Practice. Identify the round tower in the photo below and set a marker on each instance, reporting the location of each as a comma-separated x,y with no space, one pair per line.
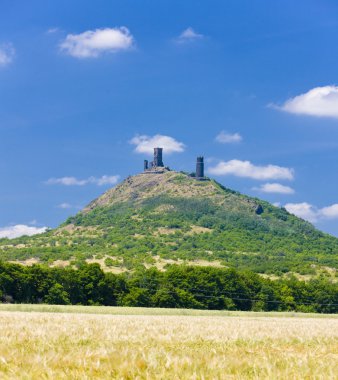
200,167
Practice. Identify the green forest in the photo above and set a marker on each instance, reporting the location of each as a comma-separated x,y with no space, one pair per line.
177,287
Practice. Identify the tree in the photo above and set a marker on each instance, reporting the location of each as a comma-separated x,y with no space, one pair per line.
137,297
57,295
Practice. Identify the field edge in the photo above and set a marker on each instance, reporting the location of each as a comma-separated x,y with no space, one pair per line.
116,310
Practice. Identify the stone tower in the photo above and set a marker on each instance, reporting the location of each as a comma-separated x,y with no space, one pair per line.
158,157
200,168
145,164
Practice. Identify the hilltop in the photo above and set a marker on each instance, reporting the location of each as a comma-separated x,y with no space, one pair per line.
161,217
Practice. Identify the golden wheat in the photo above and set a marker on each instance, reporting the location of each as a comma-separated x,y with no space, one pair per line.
36,345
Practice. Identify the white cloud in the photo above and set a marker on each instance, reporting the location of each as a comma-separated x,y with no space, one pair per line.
227,138
274,188
18,230
53,30
246,169
93,43
65,205
188,35
312,213
7,53
320,101
304,210
146,144
330,212
67,181
73,181
210,160
105,180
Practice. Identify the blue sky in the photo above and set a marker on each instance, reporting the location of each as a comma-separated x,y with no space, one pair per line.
251,85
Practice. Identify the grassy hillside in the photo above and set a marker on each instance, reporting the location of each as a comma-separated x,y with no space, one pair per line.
160,219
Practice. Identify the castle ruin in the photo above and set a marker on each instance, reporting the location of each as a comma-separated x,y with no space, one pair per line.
158,163
156,166
200,168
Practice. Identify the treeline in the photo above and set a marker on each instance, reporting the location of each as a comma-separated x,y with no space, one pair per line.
177,287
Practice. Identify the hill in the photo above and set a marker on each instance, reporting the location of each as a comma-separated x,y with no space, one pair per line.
165,217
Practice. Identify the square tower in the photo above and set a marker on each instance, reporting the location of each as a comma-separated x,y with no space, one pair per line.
158,157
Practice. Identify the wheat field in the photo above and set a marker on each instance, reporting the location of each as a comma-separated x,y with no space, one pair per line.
79,345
